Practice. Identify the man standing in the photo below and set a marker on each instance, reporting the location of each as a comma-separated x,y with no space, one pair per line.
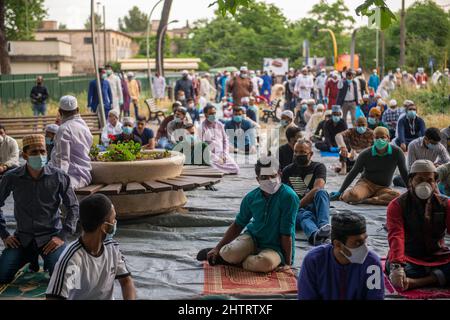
421,78
207,91
39,96
185,85
240,86
303,85
116,88
319,86
257,83
331,90
374,81
308,179
38,192
134,90
72,144
349,96
9,152
361,82
417,222
345,269
93,98
159,87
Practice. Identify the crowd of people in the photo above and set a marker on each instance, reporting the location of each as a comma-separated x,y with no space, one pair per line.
292,187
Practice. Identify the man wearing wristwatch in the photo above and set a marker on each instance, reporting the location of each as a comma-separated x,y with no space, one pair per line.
417,222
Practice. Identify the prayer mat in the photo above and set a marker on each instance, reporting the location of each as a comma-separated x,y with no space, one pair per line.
415,294
230,280
27,285
329,154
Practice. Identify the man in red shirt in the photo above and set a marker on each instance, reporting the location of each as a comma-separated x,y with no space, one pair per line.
417,222
331,89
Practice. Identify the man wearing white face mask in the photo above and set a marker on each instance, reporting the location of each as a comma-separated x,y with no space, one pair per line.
345,269
417,222
268,216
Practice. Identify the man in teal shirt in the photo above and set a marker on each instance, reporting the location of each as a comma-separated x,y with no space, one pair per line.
268,216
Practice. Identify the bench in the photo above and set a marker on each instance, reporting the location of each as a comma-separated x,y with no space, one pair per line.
154,112
17,128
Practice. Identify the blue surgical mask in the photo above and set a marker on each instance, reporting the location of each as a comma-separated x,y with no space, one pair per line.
372,121
349,82
432,146
237,119
49,141
127,130
177,120
111,234
361,130
336,119
37,162
212,118
284,123
304,106
411,114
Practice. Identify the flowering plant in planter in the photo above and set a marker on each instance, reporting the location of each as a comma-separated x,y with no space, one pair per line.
126,151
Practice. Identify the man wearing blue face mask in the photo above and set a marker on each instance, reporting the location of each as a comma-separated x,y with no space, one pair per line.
409,126
195,150
89,266
50,132
267,217
127,132
241,133
377,165
345,269
330,129
38,191
93,100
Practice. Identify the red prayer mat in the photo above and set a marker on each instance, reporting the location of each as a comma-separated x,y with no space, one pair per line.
231,280
415,294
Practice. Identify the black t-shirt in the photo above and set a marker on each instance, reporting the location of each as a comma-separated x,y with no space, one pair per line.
285,155
302,179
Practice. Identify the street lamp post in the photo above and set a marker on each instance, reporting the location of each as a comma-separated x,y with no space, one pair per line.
335,49
149,26
160,51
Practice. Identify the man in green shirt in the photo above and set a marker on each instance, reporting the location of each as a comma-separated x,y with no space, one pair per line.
268,216
377,166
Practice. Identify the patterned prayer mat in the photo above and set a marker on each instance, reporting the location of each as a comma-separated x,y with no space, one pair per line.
230,280
26,285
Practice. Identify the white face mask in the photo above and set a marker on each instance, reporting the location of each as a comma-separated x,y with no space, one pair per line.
423,190
270,186
359,254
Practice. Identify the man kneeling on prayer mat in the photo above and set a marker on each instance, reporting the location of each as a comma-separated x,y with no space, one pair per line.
268,216
417,222
345,269
377,166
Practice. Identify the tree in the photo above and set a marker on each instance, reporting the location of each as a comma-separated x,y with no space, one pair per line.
98,22
161,33
402,34
5,62
136,21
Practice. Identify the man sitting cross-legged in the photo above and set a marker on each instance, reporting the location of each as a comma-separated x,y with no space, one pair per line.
268,216
377,165
345,269
308,178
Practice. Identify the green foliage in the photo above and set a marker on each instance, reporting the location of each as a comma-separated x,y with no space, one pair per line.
368,8
22,18
98,22
135,21
125,151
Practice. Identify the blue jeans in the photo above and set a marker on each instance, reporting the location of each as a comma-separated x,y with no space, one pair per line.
39,109
315,215
164,143
12,260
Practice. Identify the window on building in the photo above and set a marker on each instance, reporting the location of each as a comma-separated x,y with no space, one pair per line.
87,40
50,39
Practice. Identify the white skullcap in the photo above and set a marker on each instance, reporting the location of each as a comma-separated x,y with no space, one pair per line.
407,103
323,70
404,72
184,72
130,74
52,128
244,68
68,103
128,120
115,113
274,165
423,166
310,101
366,96
320,107
288,113
392,103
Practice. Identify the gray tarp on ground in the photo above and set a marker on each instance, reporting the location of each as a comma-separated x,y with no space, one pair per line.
160,251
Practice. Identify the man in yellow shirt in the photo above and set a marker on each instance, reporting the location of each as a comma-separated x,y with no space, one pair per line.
135,92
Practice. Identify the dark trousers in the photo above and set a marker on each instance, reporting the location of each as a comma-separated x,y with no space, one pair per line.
323,146
415,271
136,109
398,182
13,259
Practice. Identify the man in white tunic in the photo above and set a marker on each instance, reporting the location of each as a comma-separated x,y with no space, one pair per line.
73,142
303,85
159,87
116,88
112,128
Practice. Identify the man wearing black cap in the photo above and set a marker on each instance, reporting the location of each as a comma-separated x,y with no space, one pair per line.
88,267
345,269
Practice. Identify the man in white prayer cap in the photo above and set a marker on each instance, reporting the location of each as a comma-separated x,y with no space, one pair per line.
50,133
73,142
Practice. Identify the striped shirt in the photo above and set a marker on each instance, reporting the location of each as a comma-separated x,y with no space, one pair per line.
78,275
391,116
417,151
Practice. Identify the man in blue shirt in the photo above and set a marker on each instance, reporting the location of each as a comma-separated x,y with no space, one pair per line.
409,126
345,269
193,111
93,100
146,135
374,81
268,216
241,132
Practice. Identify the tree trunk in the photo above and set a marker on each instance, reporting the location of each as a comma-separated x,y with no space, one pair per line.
383,51
402,35
5,61
161,31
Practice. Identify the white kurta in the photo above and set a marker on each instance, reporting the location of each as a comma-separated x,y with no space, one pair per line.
303,86
159,87
109,129
116,90
206,89
73,142
9,152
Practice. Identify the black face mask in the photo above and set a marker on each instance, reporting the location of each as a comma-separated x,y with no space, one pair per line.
301,160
